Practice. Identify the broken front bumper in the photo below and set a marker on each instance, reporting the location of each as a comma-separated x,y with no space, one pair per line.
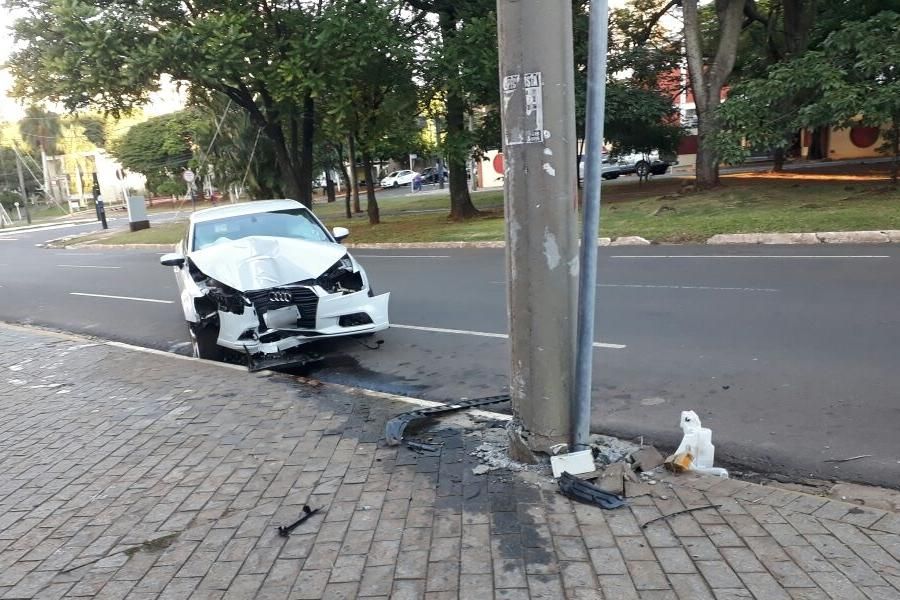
266,328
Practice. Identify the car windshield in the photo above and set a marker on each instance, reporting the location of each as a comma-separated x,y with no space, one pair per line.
292,223
394,174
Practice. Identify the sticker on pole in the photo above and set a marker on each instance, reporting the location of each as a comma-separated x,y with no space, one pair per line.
524,107
188,176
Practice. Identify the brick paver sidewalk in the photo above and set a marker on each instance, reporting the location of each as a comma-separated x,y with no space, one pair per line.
128,475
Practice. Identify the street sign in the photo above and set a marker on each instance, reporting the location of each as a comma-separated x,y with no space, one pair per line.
188,176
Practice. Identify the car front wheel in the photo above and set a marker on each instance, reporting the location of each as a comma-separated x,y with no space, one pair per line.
642,169
204,342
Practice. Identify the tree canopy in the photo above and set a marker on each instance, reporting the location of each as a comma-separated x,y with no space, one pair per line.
850,79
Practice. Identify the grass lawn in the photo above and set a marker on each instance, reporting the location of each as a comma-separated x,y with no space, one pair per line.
167,233
745,203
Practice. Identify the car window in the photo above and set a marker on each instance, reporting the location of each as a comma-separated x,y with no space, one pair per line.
292,223
394,174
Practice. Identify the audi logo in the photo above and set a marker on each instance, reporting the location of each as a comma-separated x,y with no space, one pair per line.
280,296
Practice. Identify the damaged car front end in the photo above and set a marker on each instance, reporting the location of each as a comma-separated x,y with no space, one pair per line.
261,297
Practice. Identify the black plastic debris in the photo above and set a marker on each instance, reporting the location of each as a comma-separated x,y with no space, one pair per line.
284,359
587,493
393,430
423,448
285,530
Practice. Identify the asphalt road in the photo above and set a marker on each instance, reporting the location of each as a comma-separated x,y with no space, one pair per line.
789,354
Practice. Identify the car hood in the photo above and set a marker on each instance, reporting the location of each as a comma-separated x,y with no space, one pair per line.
258,263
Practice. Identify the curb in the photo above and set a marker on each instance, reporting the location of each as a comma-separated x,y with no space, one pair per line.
827,237
886,236
316,383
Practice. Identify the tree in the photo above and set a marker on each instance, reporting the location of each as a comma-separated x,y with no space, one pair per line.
458,57
159,148
40,129
641,87
852,79
708,77
111,54
374,99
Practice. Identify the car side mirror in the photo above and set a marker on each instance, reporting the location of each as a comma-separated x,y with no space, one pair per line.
340,233
172,260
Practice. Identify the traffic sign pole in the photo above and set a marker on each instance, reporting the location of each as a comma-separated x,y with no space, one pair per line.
188,177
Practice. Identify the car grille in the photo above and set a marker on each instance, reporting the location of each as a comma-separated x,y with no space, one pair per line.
306,301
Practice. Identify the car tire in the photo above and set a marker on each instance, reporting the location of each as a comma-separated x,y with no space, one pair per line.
204,342
642,169
396,184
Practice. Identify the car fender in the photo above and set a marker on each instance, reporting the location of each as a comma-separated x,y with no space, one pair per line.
188,292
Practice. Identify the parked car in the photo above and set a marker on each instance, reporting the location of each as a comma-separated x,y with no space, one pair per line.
430,175
642,164
398,178
609,170
260,279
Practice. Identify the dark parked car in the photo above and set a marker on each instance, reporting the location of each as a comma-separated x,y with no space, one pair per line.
430,175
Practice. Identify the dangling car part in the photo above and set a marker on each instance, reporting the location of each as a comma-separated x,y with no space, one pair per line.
587,493
261,279
393,429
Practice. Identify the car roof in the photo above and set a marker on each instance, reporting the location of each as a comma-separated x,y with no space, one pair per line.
243,208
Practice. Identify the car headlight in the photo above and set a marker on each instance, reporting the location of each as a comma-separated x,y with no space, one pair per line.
340,277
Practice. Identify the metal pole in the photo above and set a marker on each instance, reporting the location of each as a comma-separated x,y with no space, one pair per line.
22,187
587,289
537,83
46,170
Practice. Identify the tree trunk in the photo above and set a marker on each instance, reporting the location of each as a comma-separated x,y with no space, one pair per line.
895,147
778,157
290,176
306,151
708,78
329,184
371,201
345,177
353,174
707,172
461,207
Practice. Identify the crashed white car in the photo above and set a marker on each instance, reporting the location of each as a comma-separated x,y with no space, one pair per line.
262,278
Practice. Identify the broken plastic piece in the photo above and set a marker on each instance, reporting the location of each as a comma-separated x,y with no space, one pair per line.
582,491
696,451
393,429
285,530
573,462
423,448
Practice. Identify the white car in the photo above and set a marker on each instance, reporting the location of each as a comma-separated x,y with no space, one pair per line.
398,178
261,278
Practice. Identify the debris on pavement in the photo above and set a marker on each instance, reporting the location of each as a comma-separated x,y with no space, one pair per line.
646,459
614,477
285,530
696,451
393,429
493,452
574,463
422,447
680,512
609,450
587,493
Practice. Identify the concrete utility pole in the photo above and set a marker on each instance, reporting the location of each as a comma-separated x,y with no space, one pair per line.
537,82
22,188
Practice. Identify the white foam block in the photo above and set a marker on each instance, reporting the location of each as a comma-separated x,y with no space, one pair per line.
574,463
